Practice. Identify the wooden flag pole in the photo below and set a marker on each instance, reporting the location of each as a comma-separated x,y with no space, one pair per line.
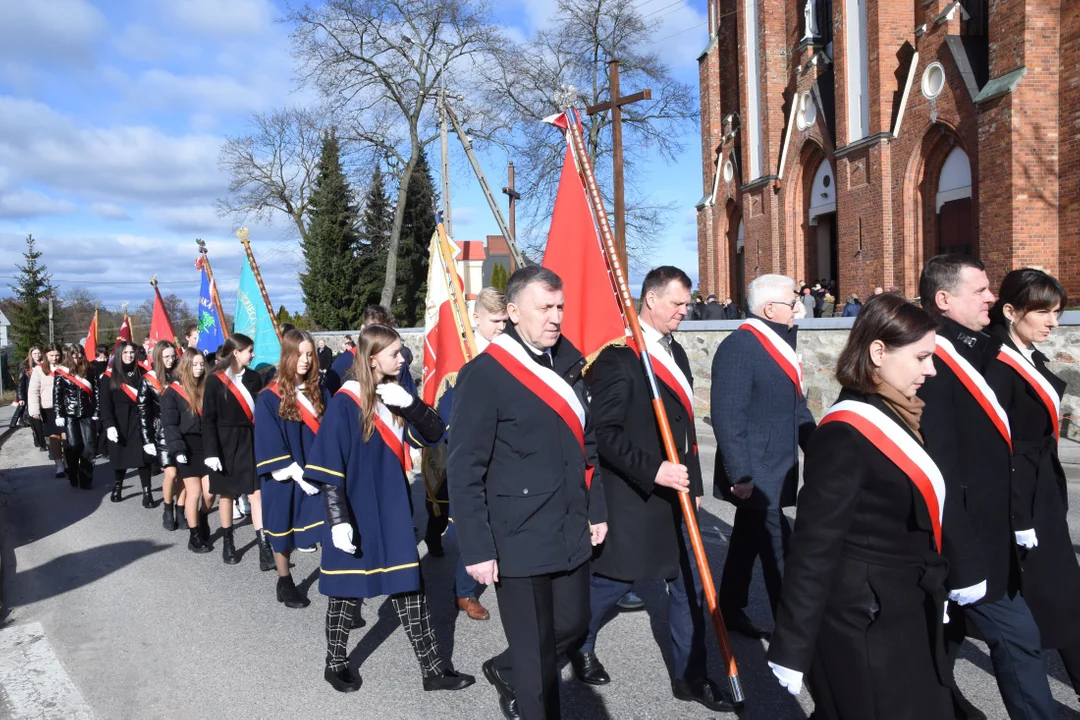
461,311
214,296
629,311
242,233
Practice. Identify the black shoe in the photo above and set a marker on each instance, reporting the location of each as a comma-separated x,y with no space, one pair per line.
204,528
630,602
148,499
434,547
507,701
342,680
266,553
117,488
195,543
181,521
168,520
289,595
228,548
739,622
448,679
708,694
588,668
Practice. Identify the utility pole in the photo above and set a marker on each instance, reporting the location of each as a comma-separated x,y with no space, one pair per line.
51,341
444,132
614,104
514,197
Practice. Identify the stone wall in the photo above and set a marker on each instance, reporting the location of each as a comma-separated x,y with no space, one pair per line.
820,343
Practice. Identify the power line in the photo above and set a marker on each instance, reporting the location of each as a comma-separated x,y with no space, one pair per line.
685,30
104,282
676,5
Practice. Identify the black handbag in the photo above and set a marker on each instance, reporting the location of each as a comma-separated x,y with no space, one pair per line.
17,416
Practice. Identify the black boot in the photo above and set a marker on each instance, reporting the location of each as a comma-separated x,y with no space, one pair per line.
181,521
71,466
168,520
117,488
266,553
228,548
195,543
204,528
289,595
86,473
148,499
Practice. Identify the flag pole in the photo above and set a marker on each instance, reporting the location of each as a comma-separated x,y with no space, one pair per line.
214,297
242,233
461,311
629,311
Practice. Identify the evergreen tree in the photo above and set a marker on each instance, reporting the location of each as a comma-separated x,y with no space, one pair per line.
375,228
421,204
330,283
499,277
30,321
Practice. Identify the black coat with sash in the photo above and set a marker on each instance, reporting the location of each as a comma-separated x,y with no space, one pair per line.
644,519
1050,577
228,433
863,593
118,409
516,471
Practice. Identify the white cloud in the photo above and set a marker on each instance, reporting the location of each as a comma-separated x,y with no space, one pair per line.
163,90
31,203
109,211
49,32
235,17
198,219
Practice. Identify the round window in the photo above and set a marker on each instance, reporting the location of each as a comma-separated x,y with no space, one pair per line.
807,111
933,80
729,171
826,181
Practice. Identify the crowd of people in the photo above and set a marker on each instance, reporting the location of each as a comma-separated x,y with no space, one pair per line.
933,504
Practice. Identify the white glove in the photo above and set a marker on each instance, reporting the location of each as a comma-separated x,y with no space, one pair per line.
59,421
213,463
291,472
968,595
307,487
112,435
95,418
1026,539
149,449
393,395
182,459
342,535
790,679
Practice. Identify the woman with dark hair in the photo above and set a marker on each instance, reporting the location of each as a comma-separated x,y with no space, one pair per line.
40,402
1026,312
162,363
288,414
863,597
228,433
118,393
74,404
181,421
22,394
360,459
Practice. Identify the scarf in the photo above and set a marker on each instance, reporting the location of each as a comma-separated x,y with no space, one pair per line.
908,409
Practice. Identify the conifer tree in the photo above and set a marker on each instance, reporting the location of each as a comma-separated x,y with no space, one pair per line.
375,225
499,277
30,318
421,204
330,282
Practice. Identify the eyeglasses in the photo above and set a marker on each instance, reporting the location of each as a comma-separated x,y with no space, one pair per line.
791,304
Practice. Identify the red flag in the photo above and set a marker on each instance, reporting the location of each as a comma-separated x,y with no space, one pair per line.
444,349
592,318
160,327
90,348
124,335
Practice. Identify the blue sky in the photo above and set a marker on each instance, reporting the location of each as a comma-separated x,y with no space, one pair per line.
112,115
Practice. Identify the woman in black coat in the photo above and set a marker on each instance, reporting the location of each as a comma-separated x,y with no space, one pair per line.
228,432
74,405
118,392
863,597
1026,312
181,421
153,384
22,395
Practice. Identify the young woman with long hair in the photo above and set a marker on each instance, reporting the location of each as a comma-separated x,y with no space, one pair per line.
22,395
181,421
118,393
228,428
360,458
74,404
163,364
288,414
40,403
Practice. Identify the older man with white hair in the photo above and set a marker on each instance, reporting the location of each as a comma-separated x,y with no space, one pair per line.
760,417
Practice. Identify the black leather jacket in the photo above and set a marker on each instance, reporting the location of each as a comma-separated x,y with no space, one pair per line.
22,387
148,403
71,401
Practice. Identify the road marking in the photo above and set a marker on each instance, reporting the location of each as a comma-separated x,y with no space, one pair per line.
33,682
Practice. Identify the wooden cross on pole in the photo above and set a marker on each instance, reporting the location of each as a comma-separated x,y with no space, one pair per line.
514,197
614,104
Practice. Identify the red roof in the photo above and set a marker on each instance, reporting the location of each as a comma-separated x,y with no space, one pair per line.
471,250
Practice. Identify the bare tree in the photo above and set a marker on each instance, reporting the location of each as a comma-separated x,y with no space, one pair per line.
573,53
273,168
380,65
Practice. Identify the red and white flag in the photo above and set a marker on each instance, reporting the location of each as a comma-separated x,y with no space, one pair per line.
90,347
444,342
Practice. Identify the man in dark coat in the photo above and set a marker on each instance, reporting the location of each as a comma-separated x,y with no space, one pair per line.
647,538
526,490
326,357
731,310
713,310
968,441
760,418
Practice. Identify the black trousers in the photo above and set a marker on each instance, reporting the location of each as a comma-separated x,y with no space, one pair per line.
79,452
38,431
763,532
543,616
436,523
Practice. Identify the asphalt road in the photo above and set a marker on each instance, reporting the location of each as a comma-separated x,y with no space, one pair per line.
106,615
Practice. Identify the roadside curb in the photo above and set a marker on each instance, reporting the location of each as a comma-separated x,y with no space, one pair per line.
5,494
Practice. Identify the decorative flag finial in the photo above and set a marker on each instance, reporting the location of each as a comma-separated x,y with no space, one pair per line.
242,233
153,280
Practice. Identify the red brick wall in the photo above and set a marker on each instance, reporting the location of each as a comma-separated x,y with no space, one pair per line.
1069,169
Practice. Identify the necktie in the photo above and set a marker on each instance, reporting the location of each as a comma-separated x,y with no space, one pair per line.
666,342
545,360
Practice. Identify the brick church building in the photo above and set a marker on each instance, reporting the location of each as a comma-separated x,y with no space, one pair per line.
854,139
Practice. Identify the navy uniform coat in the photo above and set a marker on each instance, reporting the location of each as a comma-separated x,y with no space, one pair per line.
291,517
339,371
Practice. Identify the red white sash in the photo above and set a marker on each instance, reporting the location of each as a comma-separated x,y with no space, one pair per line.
180,391
543,382
392,434
145,365
152,378
976,385
82,383
1046,392
779,350
669,373
903,450
129,391
240,393
303,404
